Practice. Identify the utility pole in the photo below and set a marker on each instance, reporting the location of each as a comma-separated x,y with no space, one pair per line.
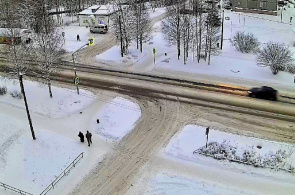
207,134
26,104
222,30
77,79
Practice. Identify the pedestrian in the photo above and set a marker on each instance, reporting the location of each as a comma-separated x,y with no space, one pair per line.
78,37
88,137
81,136
291,19
63,34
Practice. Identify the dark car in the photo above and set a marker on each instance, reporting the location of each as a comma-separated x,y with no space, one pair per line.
263,92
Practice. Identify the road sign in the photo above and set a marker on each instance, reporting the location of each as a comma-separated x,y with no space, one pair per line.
207,131
91,41
154,51
77,80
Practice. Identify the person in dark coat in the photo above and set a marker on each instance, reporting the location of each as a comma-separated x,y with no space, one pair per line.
88,137
78,37
81,136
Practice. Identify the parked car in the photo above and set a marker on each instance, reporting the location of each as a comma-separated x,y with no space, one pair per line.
263,92
100,28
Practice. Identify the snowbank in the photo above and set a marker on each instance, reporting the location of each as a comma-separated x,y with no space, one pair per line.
117,118
64,102
191,138
31,165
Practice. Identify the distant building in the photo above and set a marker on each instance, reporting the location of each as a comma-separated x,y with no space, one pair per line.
94,15
256,6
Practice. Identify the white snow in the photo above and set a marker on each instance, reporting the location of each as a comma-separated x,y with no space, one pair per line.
157,12
65,101
176,170
31,165
230,62
179,171
193,137
113,124
172,184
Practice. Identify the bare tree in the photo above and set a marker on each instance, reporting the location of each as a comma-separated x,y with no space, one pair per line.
171,26
48,41
245,42
213,23
277,56
187,33
124,24
48,51
142,22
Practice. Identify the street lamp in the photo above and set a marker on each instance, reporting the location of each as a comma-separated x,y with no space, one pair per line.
74,56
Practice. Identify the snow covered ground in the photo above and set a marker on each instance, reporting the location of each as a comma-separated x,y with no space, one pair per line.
176,170
73,29
229,64
32,165
193,137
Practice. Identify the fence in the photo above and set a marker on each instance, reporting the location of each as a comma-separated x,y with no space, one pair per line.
66,171
5,186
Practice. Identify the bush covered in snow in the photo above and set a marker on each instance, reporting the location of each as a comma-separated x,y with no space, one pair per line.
16,94
3,90
277,56
245,42
277,160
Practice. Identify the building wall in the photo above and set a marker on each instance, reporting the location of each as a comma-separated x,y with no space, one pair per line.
270,5
83,20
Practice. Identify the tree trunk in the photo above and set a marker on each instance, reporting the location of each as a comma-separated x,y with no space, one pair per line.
187,42
140,43
184,50
209,56
200,38
121,36
178,36
26,104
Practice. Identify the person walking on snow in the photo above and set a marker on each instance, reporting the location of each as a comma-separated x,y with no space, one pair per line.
88,137
81,136
78,37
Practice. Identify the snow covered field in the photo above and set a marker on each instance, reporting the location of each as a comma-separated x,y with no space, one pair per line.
176,170
32,165
229,64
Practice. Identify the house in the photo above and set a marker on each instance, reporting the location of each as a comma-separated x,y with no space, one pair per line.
256,6
17,35
94,15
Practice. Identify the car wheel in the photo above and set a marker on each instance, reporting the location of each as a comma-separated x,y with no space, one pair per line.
274,98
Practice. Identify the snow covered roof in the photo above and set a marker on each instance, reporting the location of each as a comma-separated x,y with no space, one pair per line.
97,10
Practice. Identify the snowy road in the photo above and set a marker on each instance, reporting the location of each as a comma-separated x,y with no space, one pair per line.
161,119
104,42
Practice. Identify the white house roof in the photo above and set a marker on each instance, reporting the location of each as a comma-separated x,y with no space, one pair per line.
97,10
